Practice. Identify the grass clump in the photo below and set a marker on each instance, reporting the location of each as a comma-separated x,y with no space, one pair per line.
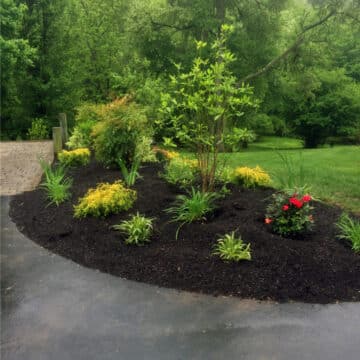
130,174
350,230
138,229
232,248
77,157
56,184
104,200
192,207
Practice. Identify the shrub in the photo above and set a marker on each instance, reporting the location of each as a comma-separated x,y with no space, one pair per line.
116,136
56,184
81,136
251,177
229,247
239,138
180,172
104,200
77,157
39,130
350,230
86,117
224,175
138,229
144,150
290,212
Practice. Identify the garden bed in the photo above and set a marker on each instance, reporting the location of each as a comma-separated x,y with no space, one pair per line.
315,268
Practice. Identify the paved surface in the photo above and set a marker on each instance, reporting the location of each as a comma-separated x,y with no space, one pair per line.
19,166
53,309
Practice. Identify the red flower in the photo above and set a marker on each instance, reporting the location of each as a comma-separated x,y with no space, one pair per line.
268,221
285,207
296,202
306,198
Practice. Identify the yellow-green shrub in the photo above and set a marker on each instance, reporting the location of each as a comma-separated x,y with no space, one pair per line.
104,200
181,171
75,157
251,177
165,155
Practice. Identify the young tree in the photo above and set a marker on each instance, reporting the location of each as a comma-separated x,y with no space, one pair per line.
201,101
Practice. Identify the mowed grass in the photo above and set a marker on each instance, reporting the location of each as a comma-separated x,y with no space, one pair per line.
333,174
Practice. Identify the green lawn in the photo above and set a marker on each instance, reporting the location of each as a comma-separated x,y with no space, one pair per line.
332,173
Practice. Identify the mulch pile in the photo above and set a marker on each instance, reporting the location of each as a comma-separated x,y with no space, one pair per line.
316,268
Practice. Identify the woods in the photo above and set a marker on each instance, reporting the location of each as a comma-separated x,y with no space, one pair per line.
301,58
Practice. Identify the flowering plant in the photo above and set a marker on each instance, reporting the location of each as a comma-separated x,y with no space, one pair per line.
290,212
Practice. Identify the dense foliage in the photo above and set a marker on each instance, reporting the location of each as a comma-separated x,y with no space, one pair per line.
300,57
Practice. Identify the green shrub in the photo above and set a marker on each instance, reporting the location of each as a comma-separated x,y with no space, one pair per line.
77,157
231,248
289,213
116,136
350,230
56,184
81,135
181,172
251,177
137,230
144,150
39,130
104,200
239,138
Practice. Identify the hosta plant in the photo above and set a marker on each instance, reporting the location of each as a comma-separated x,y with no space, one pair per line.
138,229
232,248
289,213
349,230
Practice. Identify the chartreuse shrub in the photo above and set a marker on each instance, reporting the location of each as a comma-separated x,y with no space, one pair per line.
349,230
77,157
123,125
104,200
56,184
138,229
180,171
289,212
232,248
251,177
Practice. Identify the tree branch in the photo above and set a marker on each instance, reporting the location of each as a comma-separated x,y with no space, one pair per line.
299,40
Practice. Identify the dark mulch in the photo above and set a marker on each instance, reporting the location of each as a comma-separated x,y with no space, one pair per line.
317,268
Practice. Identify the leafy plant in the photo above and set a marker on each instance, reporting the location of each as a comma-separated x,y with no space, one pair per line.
129,175
56,184
192,207
122,126
350,230
168,142
39,130
251,177
104,200
180,171
232,248
138,229
239,138
200,103
290,212
77,157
